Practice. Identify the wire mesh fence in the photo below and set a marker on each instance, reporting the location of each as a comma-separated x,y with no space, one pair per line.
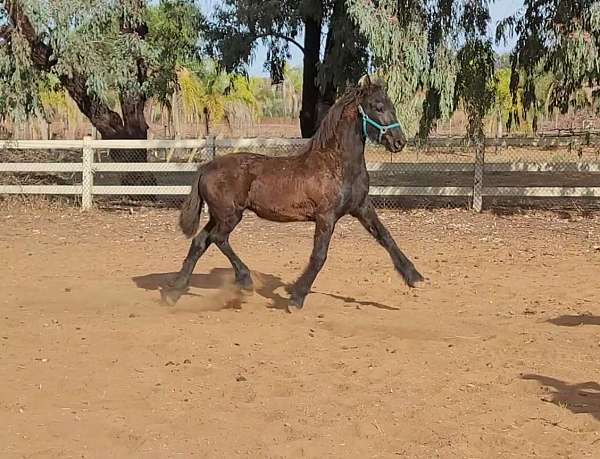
428,175
547,172
66,169
561,170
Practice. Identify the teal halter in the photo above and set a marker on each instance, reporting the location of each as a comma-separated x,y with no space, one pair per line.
382,129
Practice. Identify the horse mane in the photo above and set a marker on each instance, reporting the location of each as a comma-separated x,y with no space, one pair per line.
328,127
327,131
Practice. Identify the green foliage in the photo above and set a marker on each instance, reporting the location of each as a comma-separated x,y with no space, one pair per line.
425,50
120,47
18,80
55,102
174,36
206,91
238,26
399,46
503,102
503,61
281,100
475,84
294,76
560,39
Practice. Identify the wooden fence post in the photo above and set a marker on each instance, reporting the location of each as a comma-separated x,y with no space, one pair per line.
478,177
87,174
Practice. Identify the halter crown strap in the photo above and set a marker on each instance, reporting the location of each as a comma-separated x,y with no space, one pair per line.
367,120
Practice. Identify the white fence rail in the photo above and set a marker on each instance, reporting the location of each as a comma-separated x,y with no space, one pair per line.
88,167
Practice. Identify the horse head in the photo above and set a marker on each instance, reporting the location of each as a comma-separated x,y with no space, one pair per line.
378,115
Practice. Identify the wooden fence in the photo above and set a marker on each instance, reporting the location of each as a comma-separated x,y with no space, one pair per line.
475,191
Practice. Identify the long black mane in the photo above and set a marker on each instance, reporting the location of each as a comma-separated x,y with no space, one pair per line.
328,129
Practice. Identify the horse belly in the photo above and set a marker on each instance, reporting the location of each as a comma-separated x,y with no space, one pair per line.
281,199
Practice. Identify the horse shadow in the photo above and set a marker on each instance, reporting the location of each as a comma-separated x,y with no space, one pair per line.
351,300
265,285
575,320
577,398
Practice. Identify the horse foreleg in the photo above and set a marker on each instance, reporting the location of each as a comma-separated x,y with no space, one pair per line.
323,231
367,216
197,248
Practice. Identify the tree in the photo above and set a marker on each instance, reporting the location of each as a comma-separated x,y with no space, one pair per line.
208,94
508,106
475,84
437,48
95,49
239,25
502,107
55,104
560,38
280,100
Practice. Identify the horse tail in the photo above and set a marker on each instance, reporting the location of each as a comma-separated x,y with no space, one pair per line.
189,218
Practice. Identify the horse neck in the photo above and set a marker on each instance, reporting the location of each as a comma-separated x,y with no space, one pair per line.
347,148
351,142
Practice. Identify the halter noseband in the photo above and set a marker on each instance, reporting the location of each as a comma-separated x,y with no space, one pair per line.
367,120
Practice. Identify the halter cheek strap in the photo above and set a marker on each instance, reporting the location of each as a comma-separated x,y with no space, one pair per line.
382,129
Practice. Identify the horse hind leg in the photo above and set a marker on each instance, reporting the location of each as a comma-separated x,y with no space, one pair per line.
220,236
199,245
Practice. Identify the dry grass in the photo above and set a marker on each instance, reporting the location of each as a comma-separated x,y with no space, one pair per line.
37,203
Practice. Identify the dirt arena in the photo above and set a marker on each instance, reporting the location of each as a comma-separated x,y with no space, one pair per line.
496,355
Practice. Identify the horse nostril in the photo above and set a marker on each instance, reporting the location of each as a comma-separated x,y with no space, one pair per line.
398,144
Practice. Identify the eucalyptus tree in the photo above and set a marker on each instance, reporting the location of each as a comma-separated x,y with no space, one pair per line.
561,40
111,56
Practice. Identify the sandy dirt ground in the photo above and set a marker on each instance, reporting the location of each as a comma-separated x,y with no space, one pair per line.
496,355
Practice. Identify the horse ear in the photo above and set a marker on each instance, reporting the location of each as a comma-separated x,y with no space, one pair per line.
365,81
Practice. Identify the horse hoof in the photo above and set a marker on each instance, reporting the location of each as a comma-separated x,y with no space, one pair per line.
170,297
295,305
413,277
245,285
292,308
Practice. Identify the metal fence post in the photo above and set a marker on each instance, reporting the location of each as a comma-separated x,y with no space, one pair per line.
478,176
87,175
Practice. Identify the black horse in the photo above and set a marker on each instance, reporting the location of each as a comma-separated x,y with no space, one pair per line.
326,181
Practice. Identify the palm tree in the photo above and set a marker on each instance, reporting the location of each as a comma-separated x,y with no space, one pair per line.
208,94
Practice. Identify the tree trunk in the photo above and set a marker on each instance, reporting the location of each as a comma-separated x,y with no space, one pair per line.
130,156
328,94
344,60
175,115
310,91
44,128
283,97
207,121
130,126
500,125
